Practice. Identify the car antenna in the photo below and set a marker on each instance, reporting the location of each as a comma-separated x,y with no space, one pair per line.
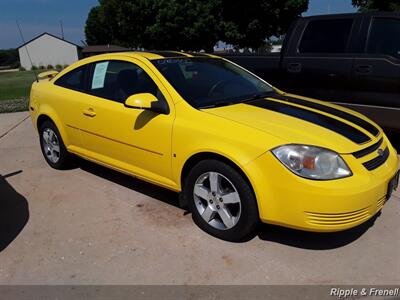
26,49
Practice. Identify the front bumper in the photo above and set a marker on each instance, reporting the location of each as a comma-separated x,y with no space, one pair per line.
322,206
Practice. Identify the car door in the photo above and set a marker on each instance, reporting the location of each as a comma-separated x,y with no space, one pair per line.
133,140
318,64
376,71
71,100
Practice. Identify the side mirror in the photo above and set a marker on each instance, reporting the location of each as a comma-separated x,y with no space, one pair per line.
141,101
147,101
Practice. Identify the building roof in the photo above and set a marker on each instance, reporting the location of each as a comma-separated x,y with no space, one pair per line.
52,35
103,49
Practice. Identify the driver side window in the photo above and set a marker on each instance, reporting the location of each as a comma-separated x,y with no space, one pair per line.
117,80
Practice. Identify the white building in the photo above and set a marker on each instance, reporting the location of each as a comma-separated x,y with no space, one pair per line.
276,48
47,49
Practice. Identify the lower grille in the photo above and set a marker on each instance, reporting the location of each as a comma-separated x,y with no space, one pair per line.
380,203
328,219
377,161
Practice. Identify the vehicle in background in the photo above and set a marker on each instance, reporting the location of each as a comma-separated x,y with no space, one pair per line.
350,59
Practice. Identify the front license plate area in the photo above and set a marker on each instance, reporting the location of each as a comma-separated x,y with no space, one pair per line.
393,185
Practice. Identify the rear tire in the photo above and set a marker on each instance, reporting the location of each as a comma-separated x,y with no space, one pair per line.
53,148
222,202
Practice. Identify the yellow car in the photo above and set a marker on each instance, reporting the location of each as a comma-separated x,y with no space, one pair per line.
239,150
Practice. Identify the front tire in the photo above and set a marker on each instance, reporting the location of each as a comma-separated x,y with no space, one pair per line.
222,202
53,148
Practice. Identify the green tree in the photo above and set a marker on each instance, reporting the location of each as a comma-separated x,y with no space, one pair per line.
129,21
189,24
121,22
9,57
249,23
184,25
97,28
378,5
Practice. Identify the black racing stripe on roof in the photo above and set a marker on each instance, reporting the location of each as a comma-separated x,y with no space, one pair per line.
332,124
330,110
167,53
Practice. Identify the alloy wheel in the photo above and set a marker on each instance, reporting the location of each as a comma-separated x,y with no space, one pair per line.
51,145
217,200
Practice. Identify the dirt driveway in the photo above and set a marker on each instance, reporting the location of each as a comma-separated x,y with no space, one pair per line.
91,225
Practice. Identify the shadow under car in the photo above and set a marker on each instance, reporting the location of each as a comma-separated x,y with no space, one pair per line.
266,232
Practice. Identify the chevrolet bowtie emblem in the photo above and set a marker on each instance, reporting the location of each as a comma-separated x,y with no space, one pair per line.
380,152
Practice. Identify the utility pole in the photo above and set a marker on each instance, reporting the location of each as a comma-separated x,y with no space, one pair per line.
62,29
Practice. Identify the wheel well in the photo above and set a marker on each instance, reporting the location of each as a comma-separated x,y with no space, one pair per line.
192,161
41,119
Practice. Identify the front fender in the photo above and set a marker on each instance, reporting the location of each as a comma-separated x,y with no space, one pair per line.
196,132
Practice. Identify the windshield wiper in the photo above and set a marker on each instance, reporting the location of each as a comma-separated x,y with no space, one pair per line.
231,102
218,104
258,96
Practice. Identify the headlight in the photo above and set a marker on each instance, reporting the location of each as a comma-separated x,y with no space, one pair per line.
312,162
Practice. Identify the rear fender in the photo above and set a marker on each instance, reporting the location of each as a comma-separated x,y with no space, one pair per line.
46,110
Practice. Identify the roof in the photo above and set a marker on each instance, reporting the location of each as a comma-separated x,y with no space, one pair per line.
103,48
140,55
52,35
150,55
173,54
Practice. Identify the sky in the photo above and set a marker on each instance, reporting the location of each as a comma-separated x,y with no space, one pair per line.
38,16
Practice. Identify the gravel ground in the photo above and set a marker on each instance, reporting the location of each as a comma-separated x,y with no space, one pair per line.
14,105
90,225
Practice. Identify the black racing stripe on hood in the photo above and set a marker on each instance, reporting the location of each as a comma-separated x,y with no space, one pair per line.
332,124
330,110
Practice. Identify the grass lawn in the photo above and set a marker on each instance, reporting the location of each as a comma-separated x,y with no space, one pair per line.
15,85
14,90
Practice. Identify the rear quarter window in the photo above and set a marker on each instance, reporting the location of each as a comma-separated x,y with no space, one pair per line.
73,80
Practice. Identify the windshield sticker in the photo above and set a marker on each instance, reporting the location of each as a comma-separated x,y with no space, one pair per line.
99,75
173,61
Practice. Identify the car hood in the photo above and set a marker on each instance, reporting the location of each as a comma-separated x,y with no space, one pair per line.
302,120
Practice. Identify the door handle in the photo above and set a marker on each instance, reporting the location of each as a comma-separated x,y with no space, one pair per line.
89,112
294,68
364,69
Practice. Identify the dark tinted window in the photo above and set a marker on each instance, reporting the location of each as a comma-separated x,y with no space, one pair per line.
117,80
326,36
74,80
208,81
384,37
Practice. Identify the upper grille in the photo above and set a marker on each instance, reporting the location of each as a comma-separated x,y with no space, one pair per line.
377,161
368,150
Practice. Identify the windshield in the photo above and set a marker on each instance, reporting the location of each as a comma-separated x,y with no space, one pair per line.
209,82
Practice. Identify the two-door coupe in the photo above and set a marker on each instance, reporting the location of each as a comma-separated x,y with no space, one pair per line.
238,149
